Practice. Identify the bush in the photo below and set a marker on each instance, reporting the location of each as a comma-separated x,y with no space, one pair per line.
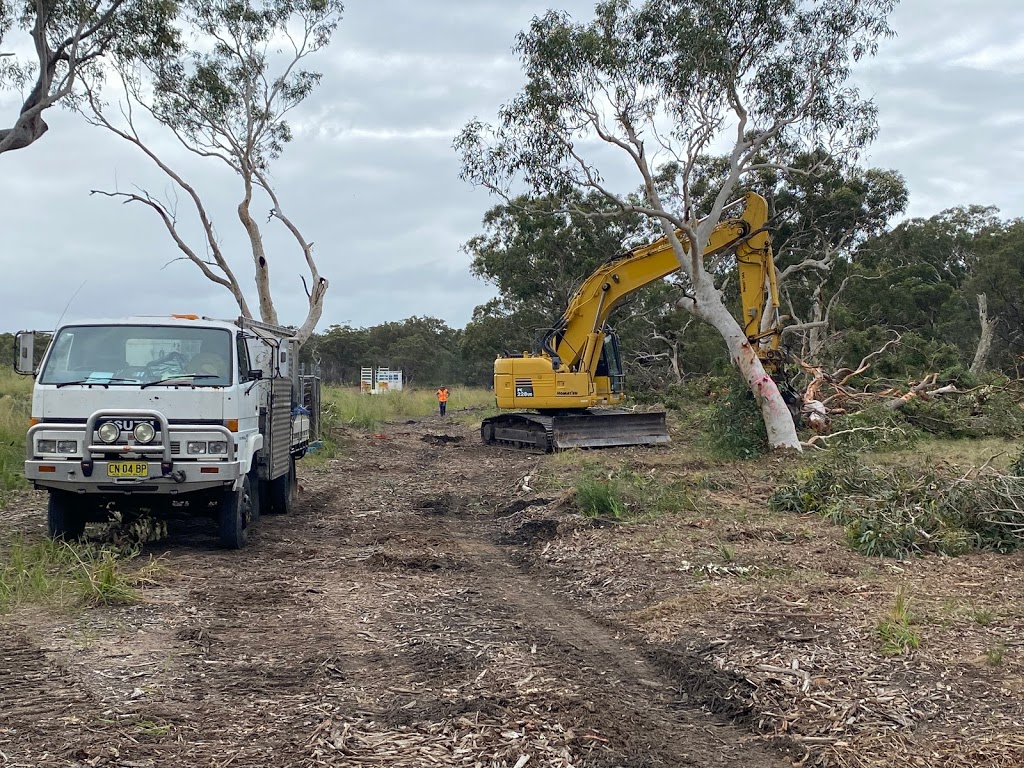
735,426
1017,467
884,430
914,353
991,410
899,513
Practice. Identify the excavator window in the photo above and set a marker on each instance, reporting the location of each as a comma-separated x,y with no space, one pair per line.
610,363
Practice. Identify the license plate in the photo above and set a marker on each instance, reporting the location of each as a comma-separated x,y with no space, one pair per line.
128,469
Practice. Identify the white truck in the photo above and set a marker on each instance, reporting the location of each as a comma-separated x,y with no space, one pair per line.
159,412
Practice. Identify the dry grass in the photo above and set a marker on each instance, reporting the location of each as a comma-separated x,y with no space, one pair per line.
15,409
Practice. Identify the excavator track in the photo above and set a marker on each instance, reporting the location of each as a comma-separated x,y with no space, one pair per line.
544,433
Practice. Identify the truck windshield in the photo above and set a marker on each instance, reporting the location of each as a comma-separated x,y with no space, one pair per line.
126,355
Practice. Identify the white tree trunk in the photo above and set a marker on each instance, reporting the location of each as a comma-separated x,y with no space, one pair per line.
316,309
988,328
816,333
268,313
778,421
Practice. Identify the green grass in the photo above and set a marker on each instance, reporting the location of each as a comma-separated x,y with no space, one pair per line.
15,409
622,494
600,498
66,575
994,656
894,630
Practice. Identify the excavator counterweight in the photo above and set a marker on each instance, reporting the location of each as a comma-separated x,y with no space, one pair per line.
574,384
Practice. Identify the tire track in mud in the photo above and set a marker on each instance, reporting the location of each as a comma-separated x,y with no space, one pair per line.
635,707
633,697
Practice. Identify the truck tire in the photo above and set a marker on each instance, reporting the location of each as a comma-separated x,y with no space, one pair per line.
65,520
283,490
258,494
235,516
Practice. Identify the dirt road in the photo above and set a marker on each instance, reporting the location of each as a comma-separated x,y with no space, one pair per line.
399,617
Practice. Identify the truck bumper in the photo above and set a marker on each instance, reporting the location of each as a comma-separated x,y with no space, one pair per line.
164,475
184,478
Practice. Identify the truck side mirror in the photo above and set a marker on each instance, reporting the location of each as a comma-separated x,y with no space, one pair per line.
24,353
254,374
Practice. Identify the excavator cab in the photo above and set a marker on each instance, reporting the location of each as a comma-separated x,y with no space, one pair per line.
609,366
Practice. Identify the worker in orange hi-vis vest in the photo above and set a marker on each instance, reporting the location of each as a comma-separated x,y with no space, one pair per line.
442,398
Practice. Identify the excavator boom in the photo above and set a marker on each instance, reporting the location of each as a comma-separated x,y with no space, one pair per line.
578,366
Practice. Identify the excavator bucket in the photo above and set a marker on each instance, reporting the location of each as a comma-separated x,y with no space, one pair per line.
589,429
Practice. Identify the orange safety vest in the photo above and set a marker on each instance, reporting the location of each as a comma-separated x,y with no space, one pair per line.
442,395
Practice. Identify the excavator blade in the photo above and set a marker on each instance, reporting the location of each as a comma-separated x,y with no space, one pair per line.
590,429
600,429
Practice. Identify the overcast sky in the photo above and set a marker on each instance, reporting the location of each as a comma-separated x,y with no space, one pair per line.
371,177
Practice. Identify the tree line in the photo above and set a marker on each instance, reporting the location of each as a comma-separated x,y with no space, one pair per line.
946,290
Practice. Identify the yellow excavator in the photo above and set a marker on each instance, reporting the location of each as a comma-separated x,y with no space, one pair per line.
572,383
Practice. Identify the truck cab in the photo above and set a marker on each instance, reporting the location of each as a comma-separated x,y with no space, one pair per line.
155,412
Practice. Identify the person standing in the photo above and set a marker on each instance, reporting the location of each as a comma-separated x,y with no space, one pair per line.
442,399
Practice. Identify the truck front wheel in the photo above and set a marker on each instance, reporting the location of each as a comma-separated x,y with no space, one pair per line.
236,516
65,520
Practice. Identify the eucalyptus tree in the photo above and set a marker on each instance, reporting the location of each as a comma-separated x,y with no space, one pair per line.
226,97
820,221
666,81
536,250
822,209
67,44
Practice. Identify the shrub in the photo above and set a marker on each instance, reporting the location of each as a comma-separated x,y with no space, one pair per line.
899,513
735,426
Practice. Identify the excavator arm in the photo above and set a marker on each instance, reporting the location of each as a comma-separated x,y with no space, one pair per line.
574,344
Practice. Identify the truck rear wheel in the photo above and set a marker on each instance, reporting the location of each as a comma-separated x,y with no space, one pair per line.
235,516
283,490
65,520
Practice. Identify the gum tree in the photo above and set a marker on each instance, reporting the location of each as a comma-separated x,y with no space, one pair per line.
227,98
64,43
670,81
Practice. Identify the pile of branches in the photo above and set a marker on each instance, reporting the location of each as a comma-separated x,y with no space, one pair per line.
899,512
848,402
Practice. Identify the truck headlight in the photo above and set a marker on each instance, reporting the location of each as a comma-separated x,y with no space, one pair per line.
195,448
67,446
219,447
108,432
144,432
46,446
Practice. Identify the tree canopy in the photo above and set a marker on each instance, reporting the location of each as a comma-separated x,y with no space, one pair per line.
226,94
70,43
